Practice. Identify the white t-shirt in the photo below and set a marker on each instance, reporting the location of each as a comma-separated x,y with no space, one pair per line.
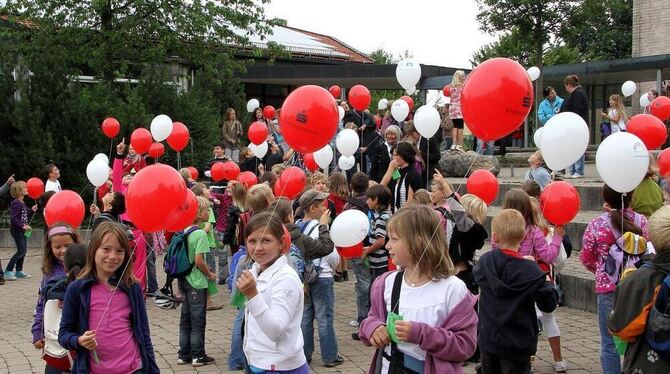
430,303
616,126
52,186
327,263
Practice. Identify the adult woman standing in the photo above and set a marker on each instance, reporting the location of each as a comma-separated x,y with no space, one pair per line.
402,174
231,135
380,156
455,109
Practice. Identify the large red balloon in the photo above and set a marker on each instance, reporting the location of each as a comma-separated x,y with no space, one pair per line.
258,132
309,162
178,138
291,183
110,127
225,170
309,118
663,161
35,187
359,97
559,202
156,150
269,112
409,101
335,91
65,206
483,184
496,98
354,251
649,129
660,107
141,140
154,196
194,173
446,91
248,179
186,214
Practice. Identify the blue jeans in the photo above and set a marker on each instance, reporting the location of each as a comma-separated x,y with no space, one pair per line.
320,303
21,248
192,322
609,358
578,167
223,262
363,282
237,360
152,283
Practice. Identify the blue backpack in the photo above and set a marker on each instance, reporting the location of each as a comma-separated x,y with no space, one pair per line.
176,263
657,330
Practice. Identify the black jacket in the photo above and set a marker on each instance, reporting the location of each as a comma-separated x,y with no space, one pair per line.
509,288
430,154
379,159
468,243
368,134
577,102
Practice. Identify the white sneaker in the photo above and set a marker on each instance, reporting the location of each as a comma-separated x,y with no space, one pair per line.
353,323
560,367
460,148
576,176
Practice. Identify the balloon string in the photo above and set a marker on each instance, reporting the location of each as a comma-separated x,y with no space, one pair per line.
111,144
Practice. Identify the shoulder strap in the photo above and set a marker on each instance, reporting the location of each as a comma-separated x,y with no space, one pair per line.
395,294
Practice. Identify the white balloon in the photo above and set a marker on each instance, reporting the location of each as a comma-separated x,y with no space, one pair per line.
628,88
622,161
346,162
161,127
97,172
252,105
349,228
411,91
399,110
427,121
408,73
644,100
383,104
259,150
564,140
537,137
347,142
324,156
102,157
340,110
533,73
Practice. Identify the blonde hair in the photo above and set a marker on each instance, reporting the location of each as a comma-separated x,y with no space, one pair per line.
372,183
318,176
421,196
199,189
16,190
659,229
123,273
509,227
259,197
239,196
474,207
337,184
420,230
458,79
652,169
618,105
351,126
537,214
185,173
203,206
277,169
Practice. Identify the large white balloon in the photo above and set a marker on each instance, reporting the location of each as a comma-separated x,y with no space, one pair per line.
161,127
628,88
349,228
97,172
346,162
347,142
102,157
533,73
340,112
259,150
408,73
564,140
622,161
252,105
324,156
410,91
399,110
427,121
383,104
644,100
537,137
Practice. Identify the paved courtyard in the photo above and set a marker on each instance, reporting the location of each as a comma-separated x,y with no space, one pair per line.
17,356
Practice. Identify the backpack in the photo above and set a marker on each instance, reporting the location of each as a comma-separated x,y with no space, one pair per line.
241,226
657,329
297,262
625,253
311,270
176,263
54,354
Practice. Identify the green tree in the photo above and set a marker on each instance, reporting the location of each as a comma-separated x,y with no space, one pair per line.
382,57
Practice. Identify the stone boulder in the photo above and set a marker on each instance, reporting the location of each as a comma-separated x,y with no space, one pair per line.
457,163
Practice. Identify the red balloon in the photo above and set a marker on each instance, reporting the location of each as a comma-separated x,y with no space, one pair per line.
258,132
291,183
269,112
660,107
178,138
559,202
649,129
359,97
65,206
446,91
354,251
194,172
154,196
663,161
287,239
309,118
35,187
335,91
156,150
247,178
378,121
225,170
185,215
110,127
483,184
496,98
409,101
309,162
141,140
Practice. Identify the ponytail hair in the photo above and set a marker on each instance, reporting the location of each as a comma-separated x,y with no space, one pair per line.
75,259
614,200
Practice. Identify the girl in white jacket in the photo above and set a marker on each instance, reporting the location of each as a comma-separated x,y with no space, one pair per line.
272,336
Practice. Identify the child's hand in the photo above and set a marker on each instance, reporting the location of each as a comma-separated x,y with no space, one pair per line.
39,344
559,230
402,330
529,258
94,209
393,165
380,337
325,217
211,276
87,340
27,227
121,147
34,208
437,176
246,283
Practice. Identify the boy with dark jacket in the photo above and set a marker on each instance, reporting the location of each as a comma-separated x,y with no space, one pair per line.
510,286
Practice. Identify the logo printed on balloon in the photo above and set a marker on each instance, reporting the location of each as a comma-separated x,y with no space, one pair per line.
308,118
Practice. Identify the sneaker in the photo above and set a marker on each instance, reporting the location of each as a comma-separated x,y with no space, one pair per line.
9,275
183,361
21,275
576,176
353,323
560,367
337,362
460,148
345,276
355,336
204,360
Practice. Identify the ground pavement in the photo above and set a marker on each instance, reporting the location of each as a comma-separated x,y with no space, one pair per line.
17,355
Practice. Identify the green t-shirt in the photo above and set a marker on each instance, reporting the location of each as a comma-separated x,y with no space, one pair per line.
197,243
211,238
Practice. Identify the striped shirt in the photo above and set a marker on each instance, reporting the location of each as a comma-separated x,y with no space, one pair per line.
379,258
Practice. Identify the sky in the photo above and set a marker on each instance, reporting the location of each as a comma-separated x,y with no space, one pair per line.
440,32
